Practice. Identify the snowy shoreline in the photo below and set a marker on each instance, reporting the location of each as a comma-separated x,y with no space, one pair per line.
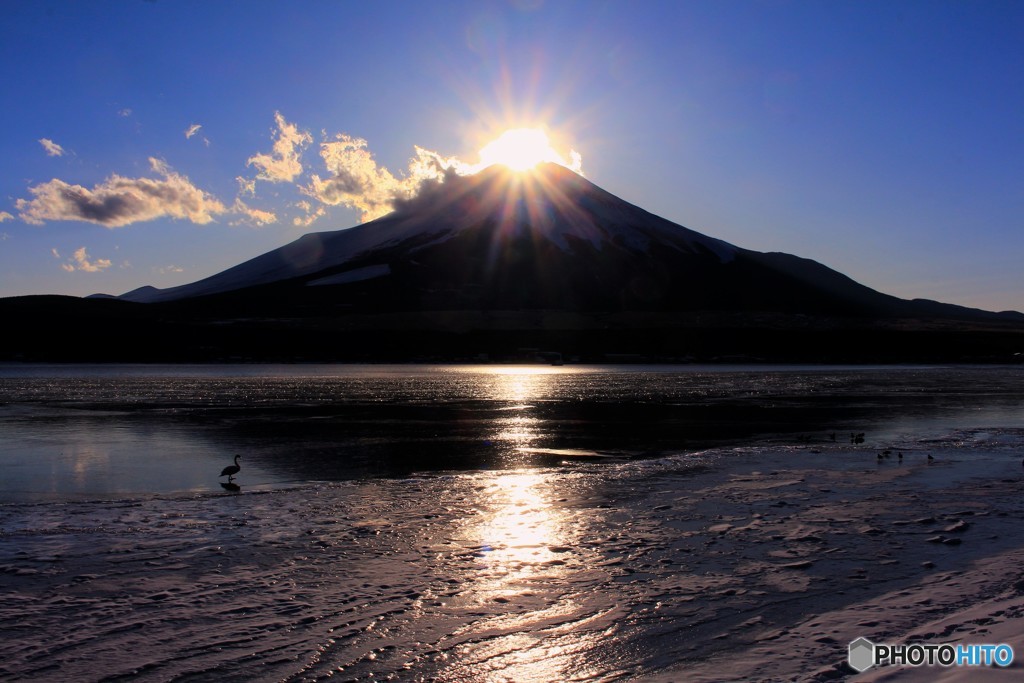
754,564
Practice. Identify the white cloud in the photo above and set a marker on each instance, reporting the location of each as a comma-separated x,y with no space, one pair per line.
51,147
310,216
246,186
120,201
4,216
192,130
124,113
282,164
169,269
575,162
353,178
80,262
350,177
251,215
357,181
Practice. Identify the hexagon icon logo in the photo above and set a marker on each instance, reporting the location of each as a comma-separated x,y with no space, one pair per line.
862,655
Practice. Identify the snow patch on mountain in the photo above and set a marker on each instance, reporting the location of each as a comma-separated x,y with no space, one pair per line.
357,275
305,256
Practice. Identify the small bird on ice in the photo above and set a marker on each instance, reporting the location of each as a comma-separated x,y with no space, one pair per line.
231,470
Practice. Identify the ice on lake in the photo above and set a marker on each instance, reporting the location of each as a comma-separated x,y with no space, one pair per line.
437,523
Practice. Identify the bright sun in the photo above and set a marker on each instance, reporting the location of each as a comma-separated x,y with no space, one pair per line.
521,149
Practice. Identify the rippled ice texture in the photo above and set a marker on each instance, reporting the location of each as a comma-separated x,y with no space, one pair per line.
482,524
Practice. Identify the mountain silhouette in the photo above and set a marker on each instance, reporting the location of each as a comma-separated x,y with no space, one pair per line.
501,263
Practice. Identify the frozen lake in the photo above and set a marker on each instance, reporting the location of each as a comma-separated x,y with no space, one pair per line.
73,432
491,523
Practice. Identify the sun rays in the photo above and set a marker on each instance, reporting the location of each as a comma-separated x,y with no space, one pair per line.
521,149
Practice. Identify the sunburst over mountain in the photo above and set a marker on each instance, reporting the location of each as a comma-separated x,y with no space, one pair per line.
502,261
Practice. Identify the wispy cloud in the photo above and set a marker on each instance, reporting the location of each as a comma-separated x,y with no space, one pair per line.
80,262
192,130
283,163
309,216
252,215
120,201
4,216
165,270
124,113
51,147
246,186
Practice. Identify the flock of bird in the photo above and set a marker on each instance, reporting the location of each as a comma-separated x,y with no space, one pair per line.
887,453
858,438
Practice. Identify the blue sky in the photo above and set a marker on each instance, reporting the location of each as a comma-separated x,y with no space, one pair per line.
883,139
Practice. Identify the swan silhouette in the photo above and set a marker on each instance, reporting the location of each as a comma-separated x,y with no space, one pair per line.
231,470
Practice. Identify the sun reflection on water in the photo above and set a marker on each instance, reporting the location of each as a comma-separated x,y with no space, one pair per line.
525,541
521,526
518,389
519,431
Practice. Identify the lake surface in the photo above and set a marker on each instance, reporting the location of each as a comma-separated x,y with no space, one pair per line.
73,432
492,523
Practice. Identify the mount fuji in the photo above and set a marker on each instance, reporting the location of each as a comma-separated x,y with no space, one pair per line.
539,239
499,262
546,239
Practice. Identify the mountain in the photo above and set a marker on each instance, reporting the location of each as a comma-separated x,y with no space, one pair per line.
499,262
543,240
492,221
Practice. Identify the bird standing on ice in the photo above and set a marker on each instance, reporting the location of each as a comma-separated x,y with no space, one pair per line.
231,470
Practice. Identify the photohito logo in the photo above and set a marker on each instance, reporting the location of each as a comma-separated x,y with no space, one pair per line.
864,654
